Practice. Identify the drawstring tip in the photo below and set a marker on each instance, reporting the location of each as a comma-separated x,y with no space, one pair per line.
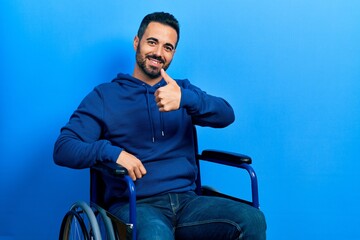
162,133
153,139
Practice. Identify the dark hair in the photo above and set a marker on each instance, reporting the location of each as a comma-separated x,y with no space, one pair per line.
160,17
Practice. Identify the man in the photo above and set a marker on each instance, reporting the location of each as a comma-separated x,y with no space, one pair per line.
144,123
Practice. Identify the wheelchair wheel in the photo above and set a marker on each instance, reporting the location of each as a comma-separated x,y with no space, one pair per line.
79,223
104,223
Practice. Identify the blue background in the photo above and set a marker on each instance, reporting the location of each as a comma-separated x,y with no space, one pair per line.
290,68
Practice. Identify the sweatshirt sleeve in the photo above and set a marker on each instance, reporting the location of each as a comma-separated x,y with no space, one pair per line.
205,109
79,144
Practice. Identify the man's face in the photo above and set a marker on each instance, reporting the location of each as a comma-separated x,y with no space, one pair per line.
155,49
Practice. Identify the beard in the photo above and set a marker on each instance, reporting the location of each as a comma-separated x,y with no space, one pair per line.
150,71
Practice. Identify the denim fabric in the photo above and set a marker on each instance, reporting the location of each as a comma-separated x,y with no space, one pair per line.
188,216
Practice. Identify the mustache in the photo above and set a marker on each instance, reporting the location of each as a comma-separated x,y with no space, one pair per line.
156,57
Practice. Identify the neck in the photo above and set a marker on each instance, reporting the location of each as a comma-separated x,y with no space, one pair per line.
145,78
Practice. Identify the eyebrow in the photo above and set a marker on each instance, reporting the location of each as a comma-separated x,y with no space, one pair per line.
156,40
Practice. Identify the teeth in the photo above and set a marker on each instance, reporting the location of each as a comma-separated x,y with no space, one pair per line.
155,61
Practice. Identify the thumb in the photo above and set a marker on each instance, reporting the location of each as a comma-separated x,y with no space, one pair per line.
166,77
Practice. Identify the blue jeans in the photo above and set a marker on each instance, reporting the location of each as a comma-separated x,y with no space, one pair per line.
189,216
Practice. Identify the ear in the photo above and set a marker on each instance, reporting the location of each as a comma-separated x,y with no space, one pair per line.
136,42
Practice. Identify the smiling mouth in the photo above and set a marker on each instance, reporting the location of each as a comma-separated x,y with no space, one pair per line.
155,61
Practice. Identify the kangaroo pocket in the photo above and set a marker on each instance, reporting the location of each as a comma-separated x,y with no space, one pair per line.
167,175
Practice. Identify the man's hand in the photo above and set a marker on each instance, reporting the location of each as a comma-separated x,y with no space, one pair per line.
134,166
168,97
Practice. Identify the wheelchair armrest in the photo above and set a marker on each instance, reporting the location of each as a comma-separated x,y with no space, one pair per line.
223,157
111,168
235,160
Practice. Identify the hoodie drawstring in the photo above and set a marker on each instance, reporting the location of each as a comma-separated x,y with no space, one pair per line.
162,124
149,112
148,100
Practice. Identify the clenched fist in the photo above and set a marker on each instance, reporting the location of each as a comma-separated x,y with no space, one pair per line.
168,97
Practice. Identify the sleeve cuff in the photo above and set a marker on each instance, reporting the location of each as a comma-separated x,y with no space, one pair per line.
110,153
189,99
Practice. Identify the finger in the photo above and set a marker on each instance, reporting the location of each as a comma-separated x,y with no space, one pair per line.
132,175
166,77
143,170
138,173
157,98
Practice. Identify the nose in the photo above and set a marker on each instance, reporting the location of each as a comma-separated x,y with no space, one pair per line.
158,51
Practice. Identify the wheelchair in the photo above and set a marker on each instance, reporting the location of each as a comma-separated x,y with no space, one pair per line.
92,221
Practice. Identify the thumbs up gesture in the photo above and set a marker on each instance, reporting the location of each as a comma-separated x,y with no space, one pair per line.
168,97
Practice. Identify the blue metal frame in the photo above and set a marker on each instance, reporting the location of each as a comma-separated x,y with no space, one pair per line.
254,184
247,167
132,204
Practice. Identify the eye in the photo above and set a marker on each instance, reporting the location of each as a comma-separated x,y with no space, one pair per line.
151,42
168,48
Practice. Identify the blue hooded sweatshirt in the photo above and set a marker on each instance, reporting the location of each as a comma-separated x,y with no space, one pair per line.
123,114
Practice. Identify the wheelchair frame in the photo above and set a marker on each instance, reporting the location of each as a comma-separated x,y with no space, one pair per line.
112,226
